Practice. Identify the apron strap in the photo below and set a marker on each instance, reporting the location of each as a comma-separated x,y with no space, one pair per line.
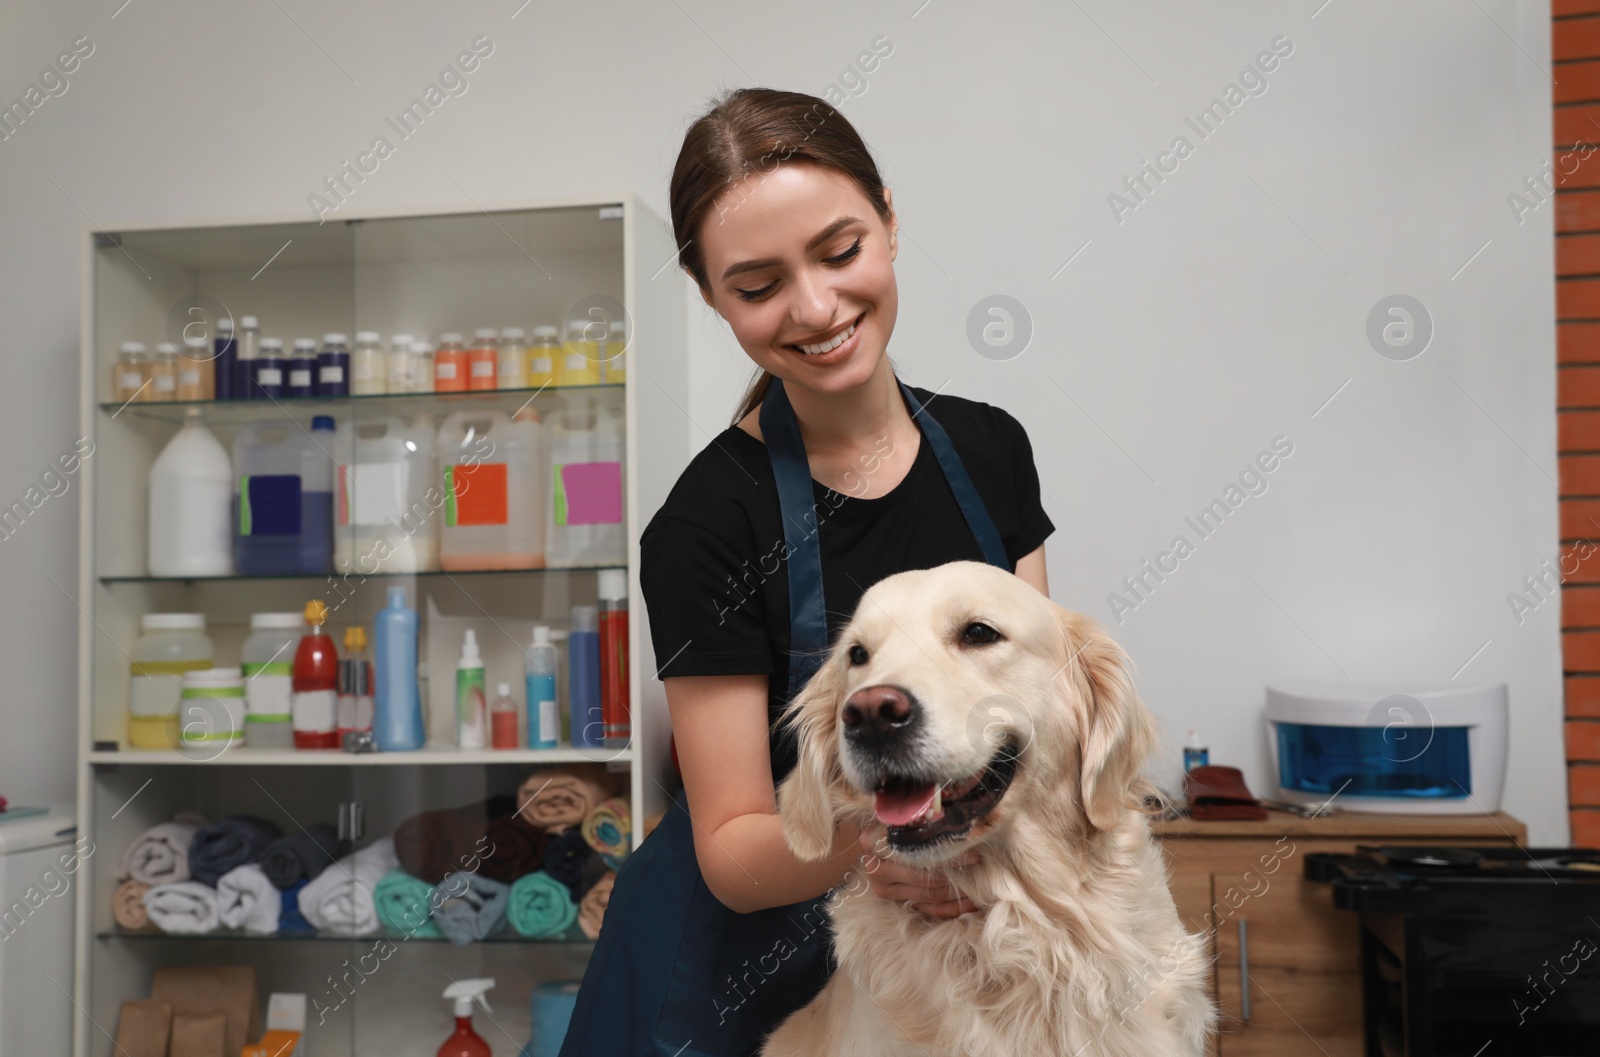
955,472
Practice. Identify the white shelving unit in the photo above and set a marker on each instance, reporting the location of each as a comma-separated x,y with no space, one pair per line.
424,273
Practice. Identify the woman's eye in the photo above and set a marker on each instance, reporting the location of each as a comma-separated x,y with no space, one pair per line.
846,255
976,634
858,654
844,258
753,295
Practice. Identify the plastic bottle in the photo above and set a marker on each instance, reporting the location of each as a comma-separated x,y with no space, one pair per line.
353,710
544,720
211,715
397,365
245,366
464,1042
543,356
450,364
472,706
315,684
194,365
491,472
504,732
383,520
587,721
483,359
581,356
131,373
1195,753
189,524
613,657
397,724
171,645
422,373
583,507
226,361
616,365
271,372
369,372
333,366
303,369
164,372
512,372
283,498
266,662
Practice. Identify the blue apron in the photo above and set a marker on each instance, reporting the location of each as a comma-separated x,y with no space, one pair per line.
675,973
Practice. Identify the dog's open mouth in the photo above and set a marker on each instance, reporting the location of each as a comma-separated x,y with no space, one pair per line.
920,812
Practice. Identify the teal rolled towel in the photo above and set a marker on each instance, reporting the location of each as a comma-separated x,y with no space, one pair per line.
541,907
405,905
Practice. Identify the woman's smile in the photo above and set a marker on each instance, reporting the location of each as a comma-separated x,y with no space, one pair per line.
833,348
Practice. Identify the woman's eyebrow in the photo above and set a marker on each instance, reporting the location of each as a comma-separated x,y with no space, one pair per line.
816,240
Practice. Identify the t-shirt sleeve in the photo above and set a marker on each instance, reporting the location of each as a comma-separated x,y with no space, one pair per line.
705,619
1033,524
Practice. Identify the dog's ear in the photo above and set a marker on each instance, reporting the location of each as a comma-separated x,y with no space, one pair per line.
1118,732
807,804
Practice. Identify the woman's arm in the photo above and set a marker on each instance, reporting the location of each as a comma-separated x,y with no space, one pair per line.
1030,567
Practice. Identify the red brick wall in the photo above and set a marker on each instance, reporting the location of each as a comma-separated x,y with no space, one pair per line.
1575,49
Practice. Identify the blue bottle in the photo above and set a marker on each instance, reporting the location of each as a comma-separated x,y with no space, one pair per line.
268,371
583,678
333,366
303,369
227,361
539,670
396,708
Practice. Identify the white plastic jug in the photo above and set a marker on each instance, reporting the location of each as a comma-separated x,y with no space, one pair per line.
491,474
383,518
584,523
191,492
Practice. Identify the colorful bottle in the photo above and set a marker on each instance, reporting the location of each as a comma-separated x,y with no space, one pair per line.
190,505
464,1042
544,721
353,710
266,661
586,722
315,684
244,368
333,366
303,368
226,361
270,380
543,356
397,724
614,706
450,364
585,348
503,726
1195,753
369,374
171,645
472,704
512,372
283,498
483,359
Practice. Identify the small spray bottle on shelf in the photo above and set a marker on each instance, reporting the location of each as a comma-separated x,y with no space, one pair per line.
464,1042
472,704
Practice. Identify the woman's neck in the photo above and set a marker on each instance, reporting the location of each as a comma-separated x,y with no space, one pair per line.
831,423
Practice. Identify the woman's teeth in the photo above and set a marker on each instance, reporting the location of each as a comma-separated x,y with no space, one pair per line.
828,346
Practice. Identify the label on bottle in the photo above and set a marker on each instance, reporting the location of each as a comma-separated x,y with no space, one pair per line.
361,370
482,368
313,711
154,696
476,495
188,376
332,374
164,383
271,376
549,723
587,493
268,689
131,380
472,709
577,361
269,505
540,365
397,372
300,378
444,369
371,493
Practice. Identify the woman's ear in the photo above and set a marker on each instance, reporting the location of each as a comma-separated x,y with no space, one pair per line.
807,800
1117,732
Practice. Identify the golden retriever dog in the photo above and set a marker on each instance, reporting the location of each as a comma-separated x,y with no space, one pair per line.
960,708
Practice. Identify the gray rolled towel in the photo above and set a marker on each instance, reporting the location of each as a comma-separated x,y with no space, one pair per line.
228,843
302,855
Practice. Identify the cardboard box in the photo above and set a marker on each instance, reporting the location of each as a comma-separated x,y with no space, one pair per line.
228,989
144,1028
199,1035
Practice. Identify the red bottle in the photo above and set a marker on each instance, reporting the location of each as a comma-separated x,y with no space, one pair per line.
465,1042
315,684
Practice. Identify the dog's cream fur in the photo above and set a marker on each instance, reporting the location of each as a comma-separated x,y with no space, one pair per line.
1077,949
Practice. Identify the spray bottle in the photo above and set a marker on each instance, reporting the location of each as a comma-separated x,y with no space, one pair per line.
465,1042
472,704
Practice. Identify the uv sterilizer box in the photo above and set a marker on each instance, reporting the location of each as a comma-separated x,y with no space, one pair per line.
1426,750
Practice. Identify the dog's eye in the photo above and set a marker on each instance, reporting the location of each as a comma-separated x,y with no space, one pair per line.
976,634
858,654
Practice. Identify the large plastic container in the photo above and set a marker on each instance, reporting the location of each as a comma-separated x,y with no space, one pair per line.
491,470
383,520
191,489
283,498
266,661
584,508
170,645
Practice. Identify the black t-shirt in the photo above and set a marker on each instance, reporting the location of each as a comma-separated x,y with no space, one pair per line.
711,565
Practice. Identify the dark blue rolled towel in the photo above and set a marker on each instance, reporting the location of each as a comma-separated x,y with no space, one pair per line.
302,855
570,860
228,843
289,918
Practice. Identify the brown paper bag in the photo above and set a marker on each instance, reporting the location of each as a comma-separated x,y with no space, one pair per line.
143,1028
200,1035
229,989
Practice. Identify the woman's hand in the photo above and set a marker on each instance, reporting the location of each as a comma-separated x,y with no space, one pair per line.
895,880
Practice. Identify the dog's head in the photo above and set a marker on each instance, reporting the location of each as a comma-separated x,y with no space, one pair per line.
957,697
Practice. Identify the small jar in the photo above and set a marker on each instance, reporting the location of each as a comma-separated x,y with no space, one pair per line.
450,364
422,367
333,366
303,368
513,370
132,372
543,355
483,359
581,356
397,365
211,712
194,369
369,374
271,370
164,373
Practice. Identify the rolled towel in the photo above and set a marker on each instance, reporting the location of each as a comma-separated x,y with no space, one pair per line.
127,905
433,843
289,917
473,907
516,849
304,854
341,900
183,907
592,911
227,843
404,905
570,860
540,907
160,855
247,900
606,830
557,799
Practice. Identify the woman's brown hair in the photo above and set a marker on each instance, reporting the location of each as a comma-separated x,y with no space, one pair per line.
751,131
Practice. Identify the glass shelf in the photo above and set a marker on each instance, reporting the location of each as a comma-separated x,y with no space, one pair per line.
379,575
375,403
572,935
615,759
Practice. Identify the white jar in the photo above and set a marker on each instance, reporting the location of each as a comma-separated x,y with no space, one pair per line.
266,663
190,525
171,646
211,712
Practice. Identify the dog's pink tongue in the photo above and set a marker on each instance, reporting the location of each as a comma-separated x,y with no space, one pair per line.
899,808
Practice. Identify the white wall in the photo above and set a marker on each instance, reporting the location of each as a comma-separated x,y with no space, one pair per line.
1225,310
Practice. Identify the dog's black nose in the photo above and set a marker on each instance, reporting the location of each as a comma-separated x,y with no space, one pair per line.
876,716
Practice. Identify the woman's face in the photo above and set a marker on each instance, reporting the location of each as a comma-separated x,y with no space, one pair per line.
797,258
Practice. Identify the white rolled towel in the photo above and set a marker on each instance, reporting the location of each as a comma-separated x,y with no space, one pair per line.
340,898
246,899
185,907
160,855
